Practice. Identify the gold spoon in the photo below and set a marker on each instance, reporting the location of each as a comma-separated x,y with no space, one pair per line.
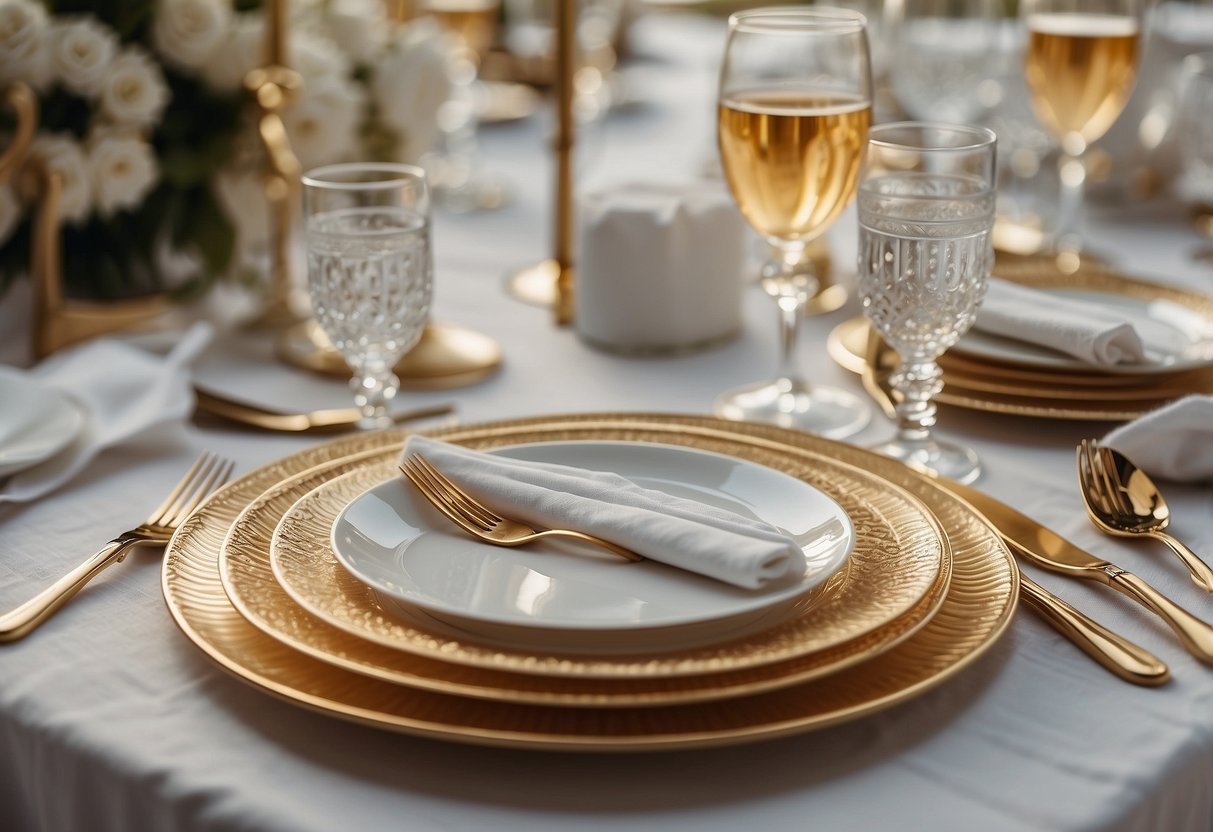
1122,500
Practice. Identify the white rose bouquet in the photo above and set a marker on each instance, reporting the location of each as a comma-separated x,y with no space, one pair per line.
143,116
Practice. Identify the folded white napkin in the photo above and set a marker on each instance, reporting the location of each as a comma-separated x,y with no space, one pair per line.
1174,442
671,530
1088,331
128,394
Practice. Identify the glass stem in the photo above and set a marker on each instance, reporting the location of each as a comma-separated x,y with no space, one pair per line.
918,382
1073,173
791,282
373,388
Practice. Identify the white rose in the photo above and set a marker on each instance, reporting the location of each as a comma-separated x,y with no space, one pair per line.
323,124
62,155
411,83
10,212
242,195
316,57
186,32
134,92
123,169
359,27
23,36
241,51
81,52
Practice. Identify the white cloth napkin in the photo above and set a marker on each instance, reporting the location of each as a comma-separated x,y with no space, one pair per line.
1174,442
671,530
1088,331
128,394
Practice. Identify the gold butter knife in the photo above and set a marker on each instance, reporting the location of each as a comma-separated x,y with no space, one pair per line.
253,415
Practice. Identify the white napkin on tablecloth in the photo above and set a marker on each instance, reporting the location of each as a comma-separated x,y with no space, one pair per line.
675,531
128,395
1174,442
1086,330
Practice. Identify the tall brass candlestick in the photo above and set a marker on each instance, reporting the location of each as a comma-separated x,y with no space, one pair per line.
566,26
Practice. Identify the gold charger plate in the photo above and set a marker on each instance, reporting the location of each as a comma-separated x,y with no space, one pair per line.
855,602
980,602
897,560
1060,399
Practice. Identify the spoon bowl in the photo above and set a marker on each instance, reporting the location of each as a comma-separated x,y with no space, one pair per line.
1122,500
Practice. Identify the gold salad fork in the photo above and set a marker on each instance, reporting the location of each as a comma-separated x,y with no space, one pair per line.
478,520
207,474
1122,500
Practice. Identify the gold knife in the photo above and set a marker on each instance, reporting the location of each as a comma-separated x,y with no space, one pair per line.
1116,654
266,419
1049,550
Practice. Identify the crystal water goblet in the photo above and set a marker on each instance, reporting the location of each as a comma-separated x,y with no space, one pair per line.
926,220
794,105
369,270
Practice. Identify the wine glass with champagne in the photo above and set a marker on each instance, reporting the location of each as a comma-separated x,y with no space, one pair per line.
369,270
1081,65
794,105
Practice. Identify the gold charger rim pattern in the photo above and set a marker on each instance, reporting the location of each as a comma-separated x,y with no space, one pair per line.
892,571
982,599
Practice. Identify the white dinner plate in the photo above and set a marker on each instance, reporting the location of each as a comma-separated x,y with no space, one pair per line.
566,595
1176,338
36,421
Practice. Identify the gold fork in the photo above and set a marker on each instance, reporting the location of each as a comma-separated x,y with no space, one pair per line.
207,473
1121,500
478,520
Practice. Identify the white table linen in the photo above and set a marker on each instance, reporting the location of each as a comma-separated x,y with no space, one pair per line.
111,720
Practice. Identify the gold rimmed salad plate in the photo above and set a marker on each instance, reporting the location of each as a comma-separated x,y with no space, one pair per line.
898,559
555,596
979,602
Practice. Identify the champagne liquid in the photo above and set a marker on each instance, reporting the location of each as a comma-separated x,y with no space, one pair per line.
370,280
792,158
475,21
1081,70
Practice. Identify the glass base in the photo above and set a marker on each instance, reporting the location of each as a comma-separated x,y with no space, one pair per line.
824,411
947,459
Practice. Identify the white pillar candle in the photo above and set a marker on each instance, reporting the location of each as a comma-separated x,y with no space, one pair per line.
659,268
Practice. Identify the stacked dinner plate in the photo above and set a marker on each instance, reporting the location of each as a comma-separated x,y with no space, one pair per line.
325,579
1002,375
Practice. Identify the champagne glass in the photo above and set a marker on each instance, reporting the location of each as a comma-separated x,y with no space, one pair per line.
1196,136
926,248
369,270
1082,59
945,59
793,113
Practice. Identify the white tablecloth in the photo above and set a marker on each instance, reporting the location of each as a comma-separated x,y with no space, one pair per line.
111,720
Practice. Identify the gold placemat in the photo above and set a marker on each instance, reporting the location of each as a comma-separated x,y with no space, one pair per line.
896,579
979,604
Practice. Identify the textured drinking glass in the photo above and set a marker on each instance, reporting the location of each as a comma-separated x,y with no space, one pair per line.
794,106
926,216
1081,66
369,270
946,58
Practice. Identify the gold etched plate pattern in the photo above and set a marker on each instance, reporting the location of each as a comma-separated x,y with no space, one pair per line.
979,603
440,658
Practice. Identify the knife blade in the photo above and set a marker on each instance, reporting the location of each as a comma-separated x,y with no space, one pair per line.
1049,550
